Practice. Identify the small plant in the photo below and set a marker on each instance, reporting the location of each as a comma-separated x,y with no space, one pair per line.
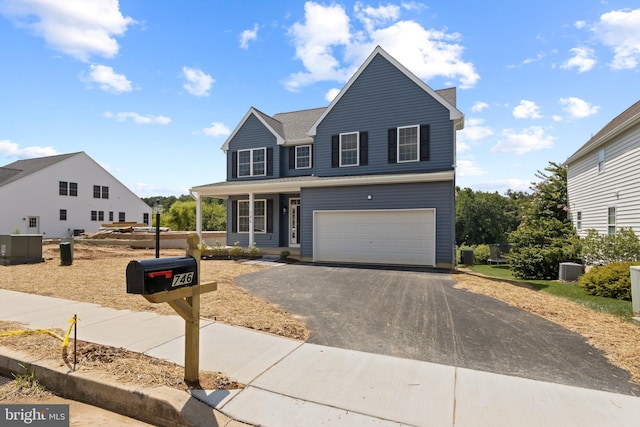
236,250
27,382
284,255
253,250
612,280
481,254
16,230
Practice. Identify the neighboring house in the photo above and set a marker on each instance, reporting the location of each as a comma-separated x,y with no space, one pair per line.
368,179
58,195
603,177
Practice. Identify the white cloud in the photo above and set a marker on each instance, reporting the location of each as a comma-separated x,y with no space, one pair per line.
198,83
108,80
580,24
138,119
473,131
583,59
331,93
479,106
503,185
530,139
469,168
328,31
77,28
11,149
578,108
248,35
527,110
217,129
620,29
537,58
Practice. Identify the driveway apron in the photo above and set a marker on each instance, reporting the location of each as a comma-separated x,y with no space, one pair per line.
420,315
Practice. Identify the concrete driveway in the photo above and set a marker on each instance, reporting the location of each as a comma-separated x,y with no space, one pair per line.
419,315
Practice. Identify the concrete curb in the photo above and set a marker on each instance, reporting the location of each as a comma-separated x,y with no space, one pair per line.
163,406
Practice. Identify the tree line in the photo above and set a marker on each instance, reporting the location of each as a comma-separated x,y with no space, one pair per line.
179,213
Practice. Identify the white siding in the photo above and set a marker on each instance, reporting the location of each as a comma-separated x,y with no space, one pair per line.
37,195
592,193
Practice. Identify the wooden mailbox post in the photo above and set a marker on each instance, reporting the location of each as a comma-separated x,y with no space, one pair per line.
186,302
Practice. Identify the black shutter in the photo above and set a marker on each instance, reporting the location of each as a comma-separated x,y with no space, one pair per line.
234,164
393,145
424,143
311,155
234,216
292,157
335,151
364,148
270,215
270,161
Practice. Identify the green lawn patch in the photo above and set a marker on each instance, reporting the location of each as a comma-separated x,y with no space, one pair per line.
570,291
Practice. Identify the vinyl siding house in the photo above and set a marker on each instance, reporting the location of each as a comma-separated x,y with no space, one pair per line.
56,195
368,179
603,177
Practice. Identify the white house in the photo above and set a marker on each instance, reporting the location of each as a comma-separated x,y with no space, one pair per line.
603,177
58,195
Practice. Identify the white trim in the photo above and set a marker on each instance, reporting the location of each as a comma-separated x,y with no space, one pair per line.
258,114
454,113
601,160
290,220
417,159
357,163
267,186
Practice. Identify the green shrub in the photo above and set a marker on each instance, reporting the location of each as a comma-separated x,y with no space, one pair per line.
612,280
236,250
600,249
481,254
284,254
253,250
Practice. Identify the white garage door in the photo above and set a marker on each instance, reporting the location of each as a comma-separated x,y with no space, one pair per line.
405,237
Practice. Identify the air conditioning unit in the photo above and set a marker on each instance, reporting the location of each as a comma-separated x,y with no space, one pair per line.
570,271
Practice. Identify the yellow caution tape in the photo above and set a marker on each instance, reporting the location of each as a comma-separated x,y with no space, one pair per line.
65,342
29,332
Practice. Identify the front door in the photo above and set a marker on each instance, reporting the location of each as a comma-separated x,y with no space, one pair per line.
294,222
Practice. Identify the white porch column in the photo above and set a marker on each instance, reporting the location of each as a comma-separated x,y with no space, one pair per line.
199,215
251,219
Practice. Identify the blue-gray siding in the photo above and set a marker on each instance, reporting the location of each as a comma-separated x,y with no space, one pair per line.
382,98
252,135
438,195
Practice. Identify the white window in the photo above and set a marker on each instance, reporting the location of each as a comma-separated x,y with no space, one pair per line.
601,160
303,157
259,216
579,220
611,221
252,162
408,146
349,149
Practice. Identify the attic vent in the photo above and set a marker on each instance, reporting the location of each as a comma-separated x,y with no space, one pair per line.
570,271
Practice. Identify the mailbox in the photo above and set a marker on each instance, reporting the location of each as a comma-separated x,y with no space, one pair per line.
148,276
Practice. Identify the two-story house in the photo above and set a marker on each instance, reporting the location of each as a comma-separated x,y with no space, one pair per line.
368,179
58,196
603,177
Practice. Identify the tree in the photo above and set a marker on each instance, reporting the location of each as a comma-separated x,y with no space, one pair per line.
545,236
179,213
484,218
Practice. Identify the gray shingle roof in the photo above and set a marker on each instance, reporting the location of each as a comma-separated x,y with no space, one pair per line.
21,168
296,124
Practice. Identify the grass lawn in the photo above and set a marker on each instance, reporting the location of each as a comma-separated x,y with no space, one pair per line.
569,291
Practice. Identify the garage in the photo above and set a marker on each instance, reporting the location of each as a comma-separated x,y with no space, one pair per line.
402,237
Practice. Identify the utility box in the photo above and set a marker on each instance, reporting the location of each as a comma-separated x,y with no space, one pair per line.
153,275
467,257
20,249
570,271
635,289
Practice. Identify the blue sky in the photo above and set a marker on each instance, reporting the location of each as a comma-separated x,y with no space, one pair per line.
151,89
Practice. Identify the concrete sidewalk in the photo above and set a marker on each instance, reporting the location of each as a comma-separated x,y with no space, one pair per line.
292,384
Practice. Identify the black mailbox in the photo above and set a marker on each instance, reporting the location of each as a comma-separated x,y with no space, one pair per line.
148,276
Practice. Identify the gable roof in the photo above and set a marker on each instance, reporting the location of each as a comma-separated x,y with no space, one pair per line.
454,113
622,122
22,168
288,128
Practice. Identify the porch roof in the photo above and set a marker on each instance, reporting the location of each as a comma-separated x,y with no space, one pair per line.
225,189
